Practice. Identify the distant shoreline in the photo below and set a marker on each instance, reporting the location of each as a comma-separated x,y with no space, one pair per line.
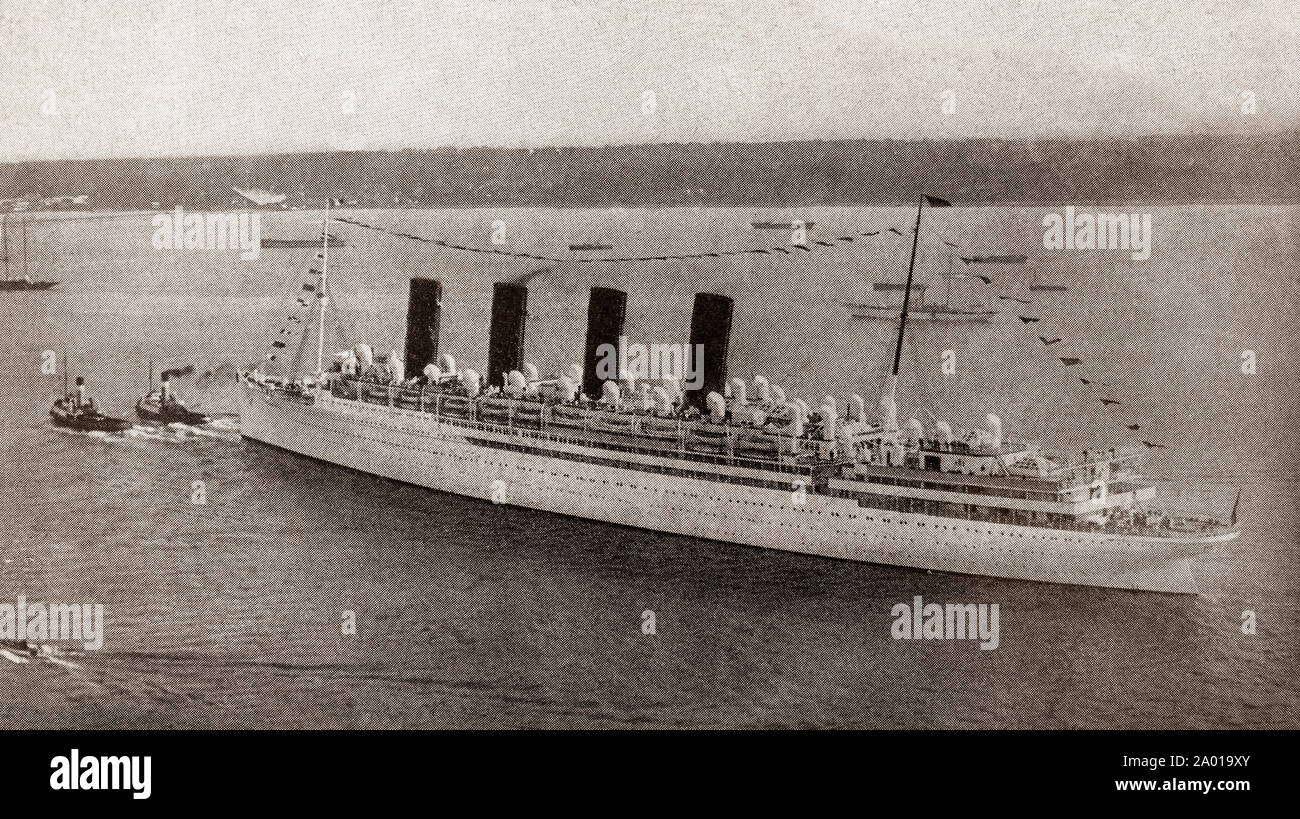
1228,170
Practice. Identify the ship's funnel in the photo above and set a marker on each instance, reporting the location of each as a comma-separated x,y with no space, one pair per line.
423,312
165,386
506,341
81,390
605,313
710,329
995,430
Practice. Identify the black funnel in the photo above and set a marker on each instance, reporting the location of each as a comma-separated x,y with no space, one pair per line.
423,311
710,327
605,314
506,343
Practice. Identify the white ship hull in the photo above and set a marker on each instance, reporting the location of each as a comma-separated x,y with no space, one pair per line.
420,449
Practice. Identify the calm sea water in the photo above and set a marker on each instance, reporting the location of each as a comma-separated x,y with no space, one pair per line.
471,615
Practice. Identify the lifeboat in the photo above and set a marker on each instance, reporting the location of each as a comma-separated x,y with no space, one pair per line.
344,389
374,393
757,443
492,409
613,422
528,414
455,406
408,399
568,416
664,428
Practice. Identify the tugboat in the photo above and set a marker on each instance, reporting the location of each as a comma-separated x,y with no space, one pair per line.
18,651
76,411
163,407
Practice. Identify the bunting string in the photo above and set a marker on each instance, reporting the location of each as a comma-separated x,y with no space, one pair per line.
1066,361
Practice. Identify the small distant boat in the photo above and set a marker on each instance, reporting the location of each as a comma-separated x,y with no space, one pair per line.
301,243
927,312
779,225
26,282
591,247
1005,258
1041,287
161,406
923,311
76,411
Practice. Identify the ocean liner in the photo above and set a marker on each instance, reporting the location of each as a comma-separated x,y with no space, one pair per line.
734,460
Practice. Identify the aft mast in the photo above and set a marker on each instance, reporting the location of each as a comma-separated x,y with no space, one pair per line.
321,298
933,202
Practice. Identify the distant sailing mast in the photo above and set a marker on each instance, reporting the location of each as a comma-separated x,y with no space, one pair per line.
25,283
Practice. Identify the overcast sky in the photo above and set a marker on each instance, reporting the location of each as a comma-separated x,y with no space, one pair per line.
142,78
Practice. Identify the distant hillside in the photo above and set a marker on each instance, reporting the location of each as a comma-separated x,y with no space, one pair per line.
1158,169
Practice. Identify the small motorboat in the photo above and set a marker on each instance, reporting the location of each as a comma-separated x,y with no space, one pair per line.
161,406
76,411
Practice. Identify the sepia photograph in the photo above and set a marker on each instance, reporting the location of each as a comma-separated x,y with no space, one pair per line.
602,366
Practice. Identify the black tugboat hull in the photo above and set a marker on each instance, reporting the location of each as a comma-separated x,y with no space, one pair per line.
170,415
99,423
20,646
